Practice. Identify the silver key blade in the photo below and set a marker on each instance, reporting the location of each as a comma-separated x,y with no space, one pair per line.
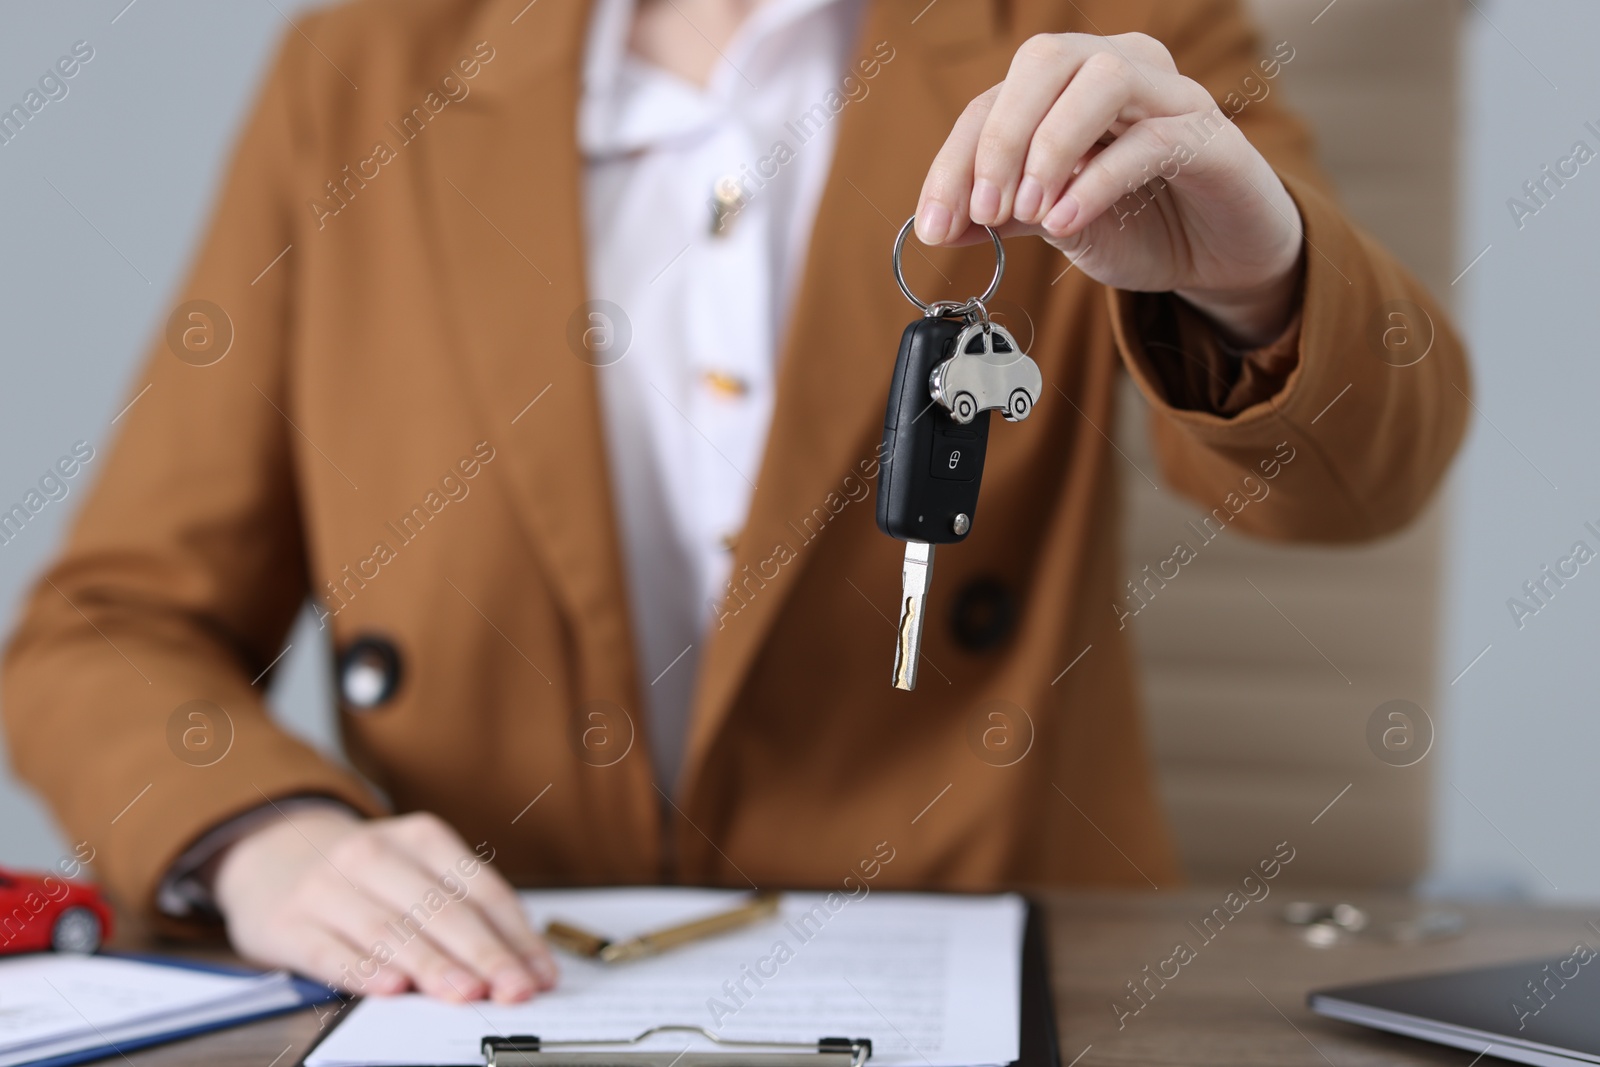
916,576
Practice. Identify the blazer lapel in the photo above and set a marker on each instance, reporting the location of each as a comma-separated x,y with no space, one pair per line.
506,175
841,344
505,184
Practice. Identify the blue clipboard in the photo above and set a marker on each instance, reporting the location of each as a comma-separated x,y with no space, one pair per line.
308,993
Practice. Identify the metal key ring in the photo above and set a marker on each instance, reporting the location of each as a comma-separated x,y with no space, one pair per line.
938,306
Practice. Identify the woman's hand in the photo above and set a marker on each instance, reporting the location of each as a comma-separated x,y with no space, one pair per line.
380,907
1100,146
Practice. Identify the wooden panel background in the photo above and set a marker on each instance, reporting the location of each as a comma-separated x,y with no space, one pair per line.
1253,731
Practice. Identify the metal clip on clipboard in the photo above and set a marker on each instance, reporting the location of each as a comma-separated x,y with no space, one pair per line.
524,1050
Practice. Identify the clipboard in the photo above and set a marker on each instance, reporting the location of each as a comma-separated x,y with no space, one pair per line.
1037,1046
526,1050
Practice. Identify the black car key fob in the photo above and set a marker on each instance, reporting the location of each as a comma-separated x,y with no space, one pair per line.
931,465
954,367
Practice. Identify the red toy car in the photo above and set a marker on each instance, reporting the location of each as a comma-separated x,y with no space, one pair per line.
50,912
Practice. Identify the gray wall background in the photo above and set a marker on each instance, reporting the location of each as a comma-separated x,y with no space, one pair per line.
105,191
105,194
1517,788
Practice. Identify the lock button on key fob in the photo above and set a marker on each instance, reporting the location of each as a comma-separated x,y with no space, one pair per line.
957,457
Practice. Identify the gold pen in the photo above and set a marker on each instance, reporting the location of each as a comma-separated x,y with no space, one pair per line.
583,943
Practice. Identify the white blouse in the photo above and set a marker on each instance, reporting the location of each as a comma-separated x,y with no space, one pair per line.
688,404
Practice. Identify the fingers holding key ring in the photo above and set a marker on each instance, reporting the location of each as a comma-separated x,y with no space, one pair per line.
944,307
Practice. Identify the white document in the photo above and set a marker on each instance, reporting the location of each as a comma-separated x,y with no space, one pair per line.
54,1004
934,981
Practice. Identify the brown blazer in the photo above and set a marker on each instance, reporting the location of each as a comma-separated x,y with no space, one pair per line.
368,441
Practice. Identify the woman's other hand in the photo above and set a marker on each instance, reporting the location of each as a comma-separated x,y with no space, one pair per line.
379,907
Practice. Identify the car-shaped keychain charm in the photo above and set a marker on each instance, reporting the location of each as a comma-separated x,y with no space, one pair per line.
988,371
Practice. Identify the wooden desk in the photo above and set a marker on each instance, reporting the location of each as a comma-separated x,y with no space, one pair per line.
1239,1003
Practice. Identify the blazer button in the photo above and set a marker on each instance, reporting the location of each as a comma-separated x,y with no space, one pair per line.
369,672
984,614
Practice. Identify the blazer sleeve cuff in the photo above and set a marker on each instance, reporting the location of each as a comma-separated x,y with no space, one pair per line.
180,822
1182,365
1175,351
186,891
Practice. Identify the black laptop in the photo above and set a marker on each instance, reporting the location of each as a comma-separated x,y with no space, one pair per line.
1544,1012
